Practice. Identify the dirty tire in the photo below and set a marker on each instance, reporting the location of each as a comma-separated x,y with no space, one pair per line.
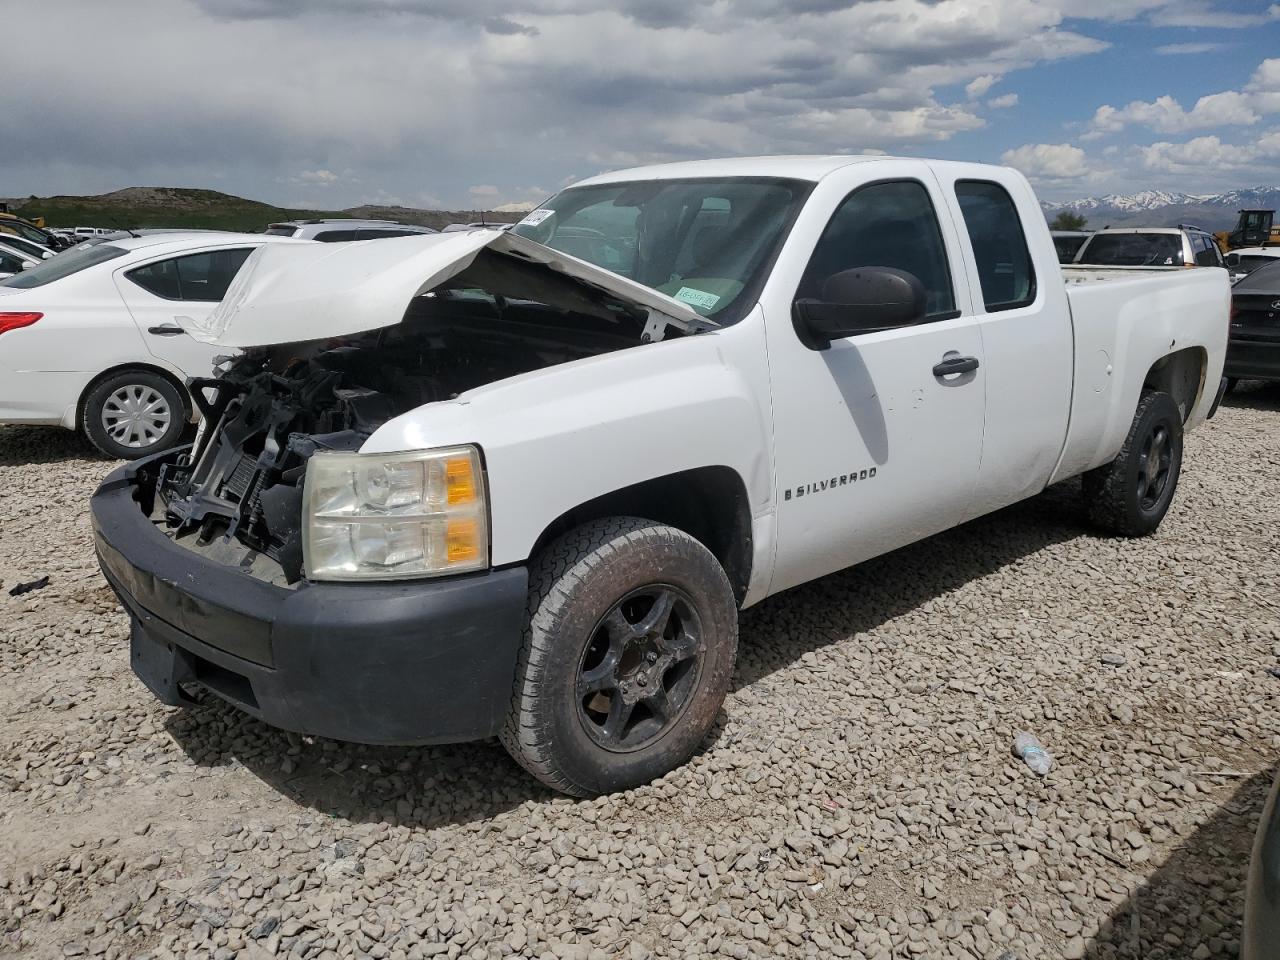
1118,496
576,586
175,406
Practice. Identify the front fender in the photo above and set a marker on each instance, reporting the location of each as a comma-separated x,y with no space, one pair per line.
559,437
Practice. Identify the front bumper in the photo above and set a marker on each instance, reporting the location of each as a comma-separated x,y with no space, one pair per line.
429,661
1253,359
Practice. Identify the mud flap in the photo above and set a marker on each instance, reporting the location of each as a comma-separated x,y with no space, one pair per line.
161,666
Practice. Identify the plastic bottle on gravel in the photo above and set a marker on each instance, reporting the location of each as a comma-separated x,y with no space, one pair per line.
1032,752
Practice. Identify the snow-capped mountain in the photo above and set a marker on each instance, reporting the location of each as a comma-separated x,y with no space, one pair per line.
1158,208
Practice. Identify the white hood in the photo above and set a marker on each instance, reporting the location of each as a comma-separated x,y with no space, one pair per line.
290,292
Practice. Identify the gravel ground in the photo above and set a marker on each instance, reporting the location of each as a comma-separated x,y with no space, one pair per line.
858,798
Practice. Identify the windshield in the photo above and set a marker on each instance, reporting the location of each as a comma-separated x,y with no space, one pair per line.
63,265
1134,250
707,243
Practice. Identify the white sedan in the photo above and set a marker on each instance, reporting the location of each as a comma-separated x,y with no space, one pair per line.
93,338
13,259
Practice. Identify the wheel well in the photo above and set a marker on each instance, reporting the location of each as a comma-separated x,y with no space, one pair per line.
709,503
1181,375
188,406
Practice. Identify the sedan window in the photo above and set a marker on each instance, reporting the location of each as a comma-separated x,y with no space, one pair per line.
202,277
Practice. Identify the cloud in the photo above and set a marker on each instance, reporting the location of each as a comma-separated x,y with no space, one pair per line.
978,86
1201,153
1003,102
1166,115
1047,161
1178,49
441,95
1189,13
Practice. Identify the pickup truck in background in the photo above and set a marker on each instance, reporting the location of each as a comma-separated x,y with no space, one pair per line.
520,483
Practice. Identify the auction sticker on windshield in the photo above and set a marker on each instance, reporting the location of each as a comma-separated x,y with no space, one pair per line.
697,298
536,217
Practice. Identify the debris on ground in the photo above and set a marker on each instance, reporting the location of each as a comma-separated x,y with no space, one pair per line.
19,589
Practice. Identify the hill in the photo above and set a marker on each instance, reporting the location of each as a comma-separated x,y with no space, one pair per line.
138,207
1157,208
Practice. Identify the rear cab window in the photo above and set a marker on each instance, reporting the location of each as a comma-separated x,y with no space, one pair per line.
64,265
1134,250
1005,269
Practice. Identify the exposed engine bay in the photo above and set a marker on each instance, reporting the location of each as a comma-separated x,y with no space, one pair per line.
238,495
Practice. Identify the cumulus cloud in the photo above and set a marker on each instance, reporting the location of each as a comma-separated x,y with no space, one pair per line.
1003,102
446,94
1210,152
978,86
1047,161
1229,108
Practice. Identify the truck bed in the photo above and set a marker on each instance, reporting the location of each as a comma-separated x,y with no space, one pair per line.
1120,317
1087,273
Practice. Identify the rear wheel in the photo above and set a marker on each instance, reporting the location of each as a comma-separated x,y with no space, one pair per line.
628,651
1131,494
134,413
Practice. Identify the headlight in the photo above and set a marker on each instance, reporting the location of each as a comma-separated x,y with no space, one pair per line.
386,516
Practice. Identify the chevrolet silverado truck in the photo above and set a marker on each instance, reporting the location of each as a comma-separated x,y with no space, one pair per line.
519,484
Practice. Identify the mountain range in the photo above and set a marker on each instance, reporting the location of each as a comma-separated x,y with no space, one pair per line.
1162,208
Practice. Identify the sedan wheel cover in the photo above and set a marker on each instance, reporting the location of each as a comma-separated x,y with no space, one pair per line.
136,416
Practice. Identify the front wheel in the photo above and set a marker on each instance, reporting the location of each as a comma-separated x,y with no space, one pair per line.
628,651
1130,495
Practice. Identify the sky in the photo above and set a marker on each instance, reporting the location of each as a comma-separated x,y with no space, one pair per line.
477,104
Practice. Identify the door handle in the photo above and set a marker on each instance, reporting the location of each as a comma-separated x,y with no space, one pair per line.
954,365
166,331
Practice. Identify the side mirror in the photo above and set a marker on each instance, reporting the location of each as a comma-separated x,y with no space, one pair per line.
859,300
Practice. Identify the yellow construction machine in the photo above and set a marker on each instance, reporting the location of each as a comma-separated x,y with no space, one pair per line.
1255,228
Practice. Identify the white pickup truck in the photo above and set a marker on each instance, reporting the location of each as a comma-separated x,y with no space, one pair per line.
520,483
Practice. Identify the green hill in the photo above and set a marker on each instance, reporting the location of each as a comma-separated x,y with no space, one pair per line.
139,207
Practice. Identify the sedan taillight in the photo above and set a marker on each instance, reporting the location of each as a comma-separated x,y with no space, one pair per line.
12,321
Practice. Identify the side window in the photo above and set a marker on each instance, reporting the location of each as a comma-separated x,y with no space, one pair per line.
995,231
335,236
9,263
159,278
197,276
889,224
1208,255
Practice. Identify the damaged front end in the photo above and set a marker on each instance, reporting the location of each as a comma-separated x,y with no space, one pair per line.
237,496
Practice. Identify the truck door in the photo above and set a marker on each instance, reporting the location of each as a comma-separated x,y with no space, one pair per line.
1025,324
190,285
877,441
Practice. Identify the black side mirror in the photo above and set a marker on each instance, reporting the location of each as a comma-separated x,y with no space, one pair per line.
860,300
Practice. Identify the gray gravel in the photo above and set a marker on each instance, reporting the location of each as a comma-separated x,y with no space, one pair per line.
859,798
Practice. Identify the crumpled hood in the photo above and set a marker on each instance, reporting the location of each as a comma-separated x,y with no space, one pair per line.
290,292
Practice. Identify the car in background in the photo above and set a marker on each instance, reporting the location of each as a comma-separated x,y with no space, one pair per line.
96,233
1253,339
12,225
1261,933
1244,261
29,247
1067,243
341,230
14,260
94,338
1148,247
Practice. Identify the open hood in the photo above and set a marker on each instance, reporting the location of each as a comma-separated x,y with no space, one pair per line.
290,292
